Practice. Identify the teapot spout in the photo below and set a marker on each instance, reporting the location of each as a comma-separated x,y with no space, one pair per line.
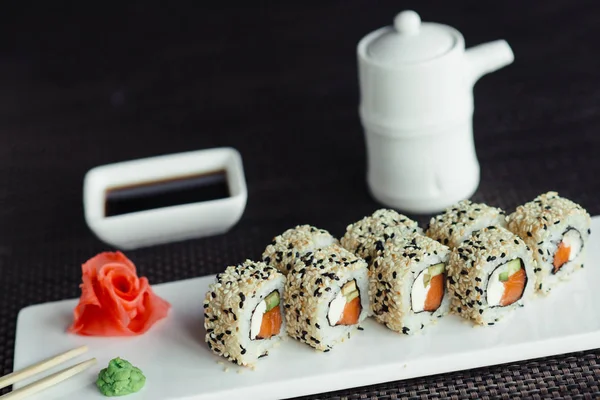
488,57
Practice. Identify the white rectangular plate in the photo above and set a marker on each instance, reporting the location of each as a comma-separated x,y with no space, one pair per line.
178,364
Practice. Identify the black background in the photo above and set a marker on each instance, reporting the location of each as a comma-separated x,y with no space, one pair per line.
88,84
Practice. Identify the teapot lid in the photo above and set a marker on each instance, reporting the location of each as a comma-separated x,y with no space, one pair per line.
411,41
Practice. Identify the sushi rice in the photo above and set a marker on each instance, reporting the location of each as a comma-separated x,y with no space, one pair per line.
490,275
314,299
362,236
287,248
234,308
557,230
407,276
456,223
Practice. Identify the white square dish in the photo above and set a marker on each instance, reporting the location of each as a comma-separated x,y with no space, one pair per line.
179,365
165,224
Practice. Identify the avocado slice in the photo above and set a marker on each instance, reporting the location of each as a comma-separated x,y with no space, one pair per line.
351,296
512,267
432,271
349,287
272,300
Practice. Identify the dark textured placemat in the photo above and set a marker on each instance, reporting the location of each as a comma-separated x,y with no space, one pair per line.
84,87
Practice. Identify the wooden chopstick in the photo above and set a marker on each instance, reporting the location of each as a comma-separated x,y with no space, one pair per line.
48,381
42,366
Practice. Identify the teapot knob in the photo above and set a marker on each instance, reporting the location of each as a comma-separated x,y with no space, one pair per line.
407,22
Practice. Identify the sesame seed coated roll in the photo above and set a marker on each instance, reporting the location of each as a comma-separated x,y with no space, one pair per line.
288,247
407,285
326,297
362,236
489,275
243,312
456,223
557,230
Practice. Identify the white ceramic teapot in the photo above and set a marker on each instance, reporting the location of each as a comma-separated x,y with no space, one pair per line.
416,107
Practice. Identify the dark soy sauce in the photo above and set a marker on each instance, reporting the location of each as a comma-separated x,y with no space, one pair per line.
166,193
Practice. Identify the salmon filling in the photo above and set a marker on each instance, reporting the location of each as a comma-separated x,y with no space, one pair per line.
428,289
506,284
345,308
266,318
568,249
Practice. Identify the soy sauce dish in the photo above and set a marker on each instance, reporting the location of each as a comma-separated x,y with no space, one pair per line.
166,198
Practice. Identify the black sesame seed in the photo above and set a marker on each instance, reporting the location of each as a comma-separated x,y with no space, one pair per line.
451,280
540,251
468,292
206,306
242,297
317,293
360,328
502,255
213,295
516,241
557,222
481,311
326,350
529,234
446,241
477,279
540,286
490,323
405,330
589,231
459,309
464,272
379,276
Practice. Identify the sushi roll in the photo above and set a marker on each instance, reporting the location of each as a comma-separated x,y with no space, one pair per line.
326,297
286,248
456,223
362,236
407,286
489,275
243,314
557,230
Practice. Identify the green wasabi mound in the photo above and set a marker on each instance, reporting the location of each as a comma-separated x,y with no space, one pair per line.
120,378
